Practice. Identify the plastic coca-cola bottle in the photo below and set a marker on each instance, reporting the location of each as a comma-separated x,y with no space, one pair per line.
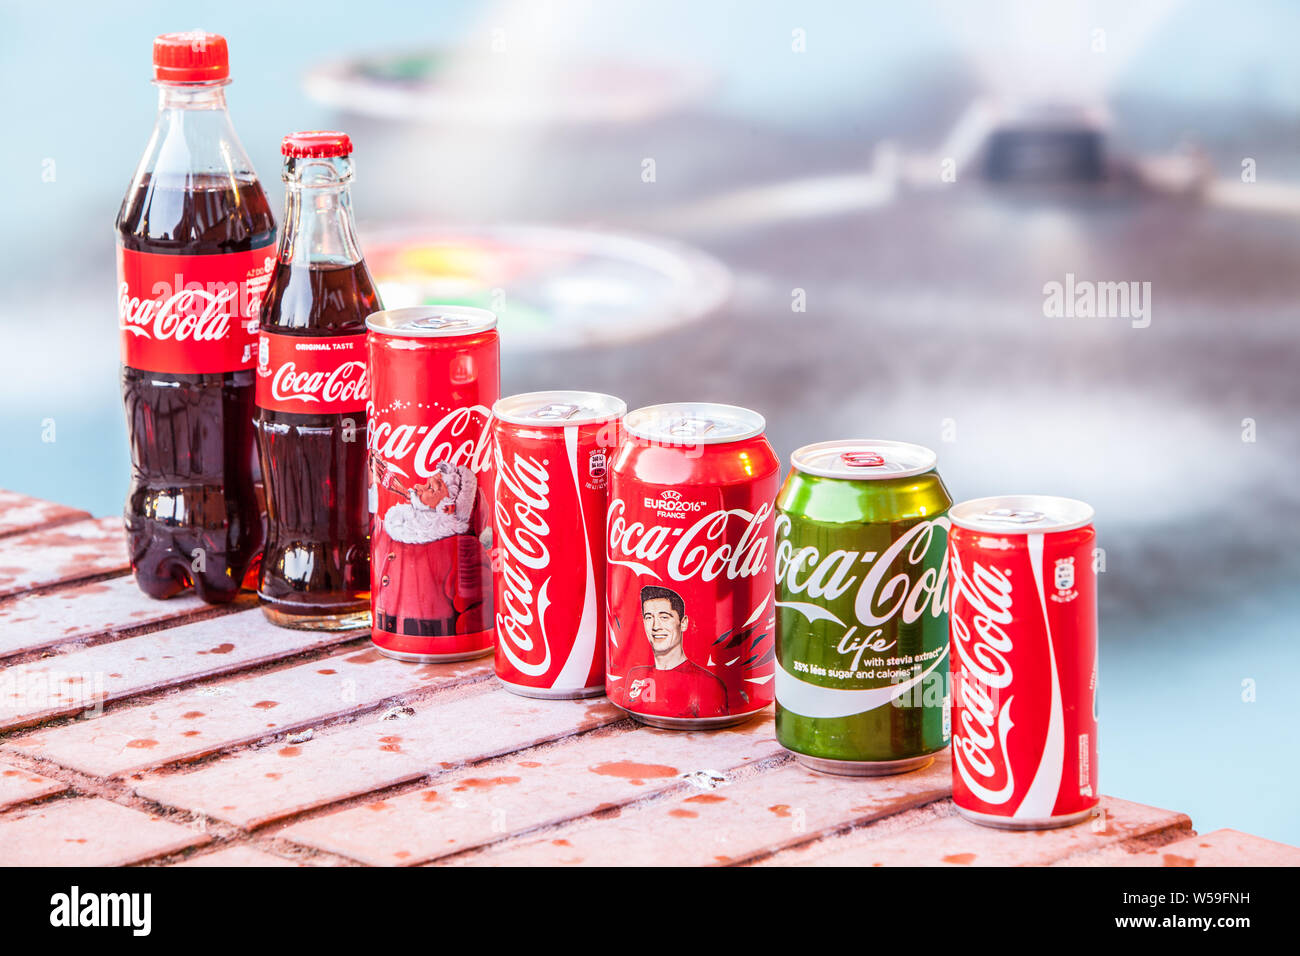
311,397
194,254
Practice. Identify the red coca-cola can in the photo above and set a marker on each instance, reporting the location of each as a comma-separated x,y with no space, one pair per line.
551,465
1023,627
690,538
434,377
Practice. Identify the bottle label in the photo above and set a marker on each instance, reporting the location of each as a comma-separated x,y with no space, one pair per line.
191,314
312,375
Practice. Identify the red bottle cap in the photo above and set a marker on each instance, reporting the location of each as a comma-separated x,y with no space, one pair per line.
194,57
316,144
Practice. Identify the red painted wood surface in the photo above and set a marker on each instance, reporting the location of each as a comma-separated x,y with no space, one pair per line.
135,731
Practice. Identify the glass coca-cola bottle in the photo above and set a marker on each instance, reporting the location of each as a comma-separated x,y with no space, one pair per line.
311,397
194,253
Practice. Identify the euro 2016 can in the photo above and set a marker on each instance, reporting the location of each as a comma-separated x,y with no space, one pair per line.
434,376
862,608
1024,661
689,566
551,452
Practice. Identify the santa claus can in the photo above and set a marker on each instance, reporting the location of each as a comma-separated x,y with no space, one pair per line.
690,635
1023,624
550,467
434,376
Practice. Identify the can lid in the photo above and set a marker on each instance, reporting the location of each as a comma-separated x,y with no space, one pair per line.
1021,514
863,459
316,144
558,409
694,423
432,321
193,57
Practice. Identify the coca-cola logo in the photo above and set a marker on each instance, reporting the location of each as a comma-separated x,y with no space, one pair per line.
522,500
192,313
980,620
461,437
908,594
344,383
702,550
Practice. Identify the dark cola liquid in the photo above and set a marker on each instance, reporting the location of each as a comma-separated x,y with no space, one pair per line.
193,514
316,563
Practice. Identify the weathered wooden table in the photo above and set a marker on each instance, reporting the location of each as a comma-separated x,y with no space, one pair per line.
135,731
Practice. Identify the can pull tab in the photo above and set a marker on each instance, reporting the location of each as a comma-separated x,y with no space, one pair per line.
555,411
691,427
862,459
440,322
1013,515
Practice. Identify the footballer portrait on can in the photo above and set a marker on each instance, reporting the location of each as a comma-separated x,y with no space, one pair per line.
674,685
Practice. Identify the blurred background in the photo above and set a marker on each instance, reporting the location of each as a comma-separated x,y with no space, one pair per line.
842,215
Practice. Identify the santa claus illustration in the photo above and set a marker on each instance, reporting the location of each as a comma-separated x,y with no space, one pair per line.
438,508
432,572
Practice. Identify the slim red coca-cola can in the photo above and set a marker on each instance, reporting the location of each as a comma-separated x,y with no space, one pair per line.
1023,626
551,462
434,376
690,543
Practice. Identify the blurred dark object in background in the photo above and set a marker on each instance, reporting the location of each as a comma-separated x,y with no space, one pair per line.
1047,144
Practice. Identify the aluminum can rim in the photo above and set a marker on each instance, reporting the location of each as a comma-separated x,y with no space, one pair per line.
432,321
653,423
892,459
1021,514
592,407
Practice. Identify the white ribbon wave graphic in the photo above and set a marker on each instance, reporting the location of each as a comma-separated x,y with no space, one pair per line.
812,700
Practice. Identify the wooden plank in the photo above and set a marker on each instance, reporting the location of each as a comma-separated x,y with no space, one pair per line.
255,787
752,815
954,841
82,680
90,832
547,786
1219,848
20,513
61,554
22,786
202,720
239,855
87,612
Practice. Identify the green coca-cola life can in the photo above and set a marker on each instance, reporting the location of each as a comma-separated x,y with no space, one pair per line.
862,608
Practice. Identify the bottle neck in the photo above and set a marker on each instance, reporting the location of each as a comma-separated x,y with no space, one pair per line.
194,136
318,226
191,96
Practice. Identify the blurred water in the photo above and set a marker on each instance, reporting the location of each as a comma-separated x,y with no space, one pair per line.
925,309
